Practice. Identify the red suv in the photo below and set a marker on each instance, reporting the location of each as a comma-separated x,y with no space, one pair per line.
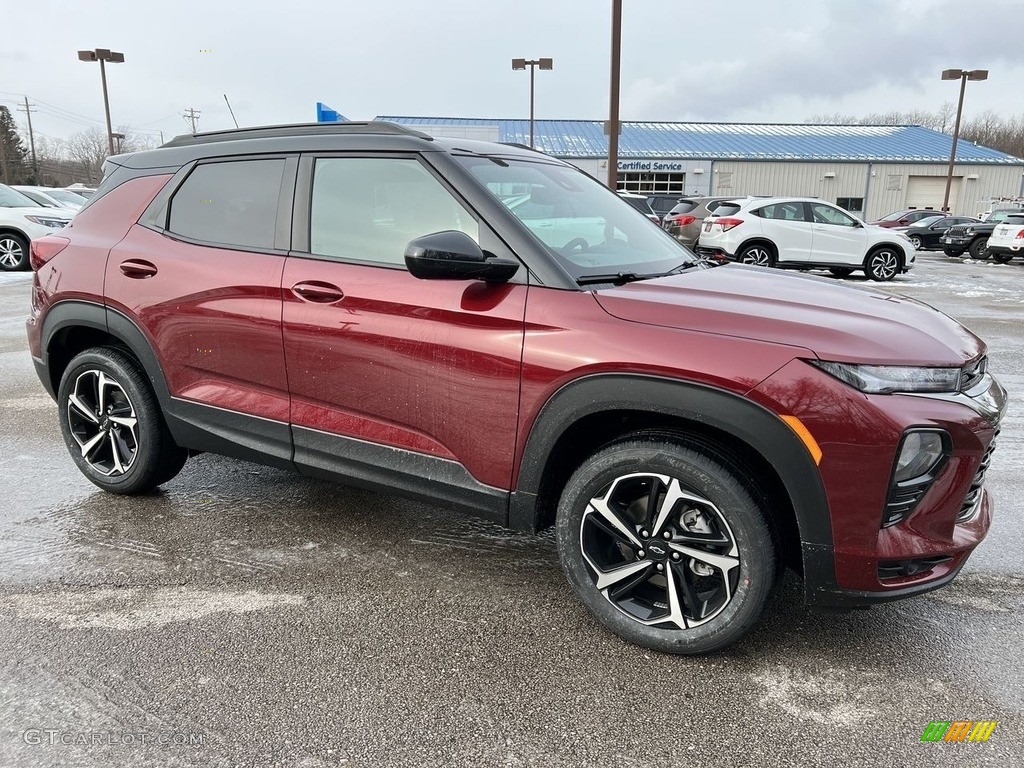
491,329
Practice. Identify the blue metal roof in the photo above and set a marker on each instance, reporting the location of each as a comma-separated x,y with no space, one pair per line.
733,141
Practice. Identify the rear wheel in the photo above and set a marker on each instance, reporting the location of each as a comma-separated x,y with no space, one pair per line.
979,249
112,424
665,546
1002,258
916,242
841,271
882,264
759,254
13,252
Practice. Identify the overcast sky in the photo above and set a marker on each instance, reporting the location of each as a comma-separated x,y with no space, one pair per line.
741,60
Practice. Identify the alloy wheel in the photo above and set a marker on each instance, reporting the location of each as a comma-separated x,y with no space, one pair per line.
757,255
884,265
103,423
660,553
12,253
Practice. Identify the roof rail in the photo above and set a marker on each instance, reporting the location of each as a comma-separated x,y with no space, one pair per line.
299,129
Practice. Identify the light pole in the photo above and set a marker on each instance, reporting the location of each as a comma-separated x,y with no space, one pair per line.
613,109
103,55
963,76
532,64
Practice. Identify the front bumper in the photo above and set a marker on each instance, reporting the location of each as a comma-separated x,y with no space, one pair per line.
863,562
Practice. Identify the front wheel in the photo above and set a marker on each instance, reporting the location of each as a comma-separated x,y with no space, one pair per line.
979,249
13,252
665,546
112,424
882,265
953,252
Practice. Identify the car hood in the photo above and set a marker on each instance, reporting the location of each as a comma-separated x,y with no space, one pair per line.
51,213
835,321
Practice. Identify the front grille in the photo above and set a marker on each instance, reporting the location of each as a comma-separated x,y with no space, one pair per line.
960,230
973,499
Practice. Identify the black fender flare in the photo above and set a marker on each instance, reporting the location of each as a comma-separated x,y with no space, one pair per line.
733,414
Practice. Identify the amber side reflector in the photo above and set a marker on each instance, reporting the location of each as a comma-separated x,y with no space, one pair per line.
804,434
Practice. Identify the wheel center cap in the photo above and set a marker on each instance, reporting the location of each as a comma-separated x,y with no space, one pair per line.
105,424
657,549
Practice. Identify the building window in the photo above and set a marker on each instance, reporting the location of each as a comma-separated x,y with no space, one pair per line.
851,204
652,183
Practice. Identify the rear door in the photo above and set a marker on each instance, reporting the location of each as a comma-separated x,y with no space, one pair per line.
396,381
838,237
787,226
200,276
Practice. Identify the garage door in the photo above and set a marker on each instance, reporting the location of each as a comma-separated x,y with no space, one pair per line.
928,192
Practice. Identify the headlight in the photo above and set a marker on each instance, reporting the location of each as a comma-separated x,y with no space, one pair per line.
51,223
885,379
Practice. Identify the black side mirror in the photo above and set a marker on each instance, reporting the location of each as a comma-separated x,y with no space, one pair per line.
453,255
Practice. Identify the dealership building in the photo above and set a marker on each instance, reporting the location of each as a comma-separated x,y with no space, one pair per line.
868,169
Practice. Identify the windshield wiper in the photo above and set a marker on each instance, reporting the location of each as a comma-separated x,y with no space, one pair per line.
618,278
621,278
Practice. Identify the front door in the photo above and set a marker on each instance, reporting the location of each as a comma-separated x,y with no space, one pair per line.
397,381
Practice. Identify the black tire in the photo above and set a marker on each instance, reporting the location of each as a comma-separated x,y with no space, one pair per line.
13,252
979,248
841,271
952,252
105,401
704,609
883,264
1002,258
758,254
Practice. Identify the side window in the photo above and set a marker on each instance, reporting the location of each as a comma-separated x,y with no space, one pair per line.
826,214
369,208
783,211
232,203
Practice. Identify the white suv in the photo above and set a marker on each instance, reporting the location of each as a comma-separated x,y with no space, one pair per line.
1007,239
803,233
21,221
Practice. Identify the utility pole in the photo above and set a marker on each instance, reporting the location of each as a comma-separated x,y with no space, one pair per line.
28,110
613,108
192,117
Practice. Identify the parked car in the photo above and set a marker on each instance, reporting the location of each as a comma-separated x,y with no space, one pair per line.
356,301
662,204
803,233
904,218
51,197
1007,239
21,221
640,203
81,189
973,238
684,221
927,233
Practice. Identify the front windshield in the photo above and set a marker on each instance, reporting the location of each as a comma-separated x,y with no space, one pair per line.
588,228
12,198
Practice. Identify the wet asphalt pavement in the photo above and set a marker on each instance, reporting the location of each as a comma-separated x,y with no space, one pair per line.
245,616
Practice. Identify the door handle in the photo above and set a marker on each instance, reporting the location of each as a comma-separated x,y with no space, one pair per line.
318,292
137,268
